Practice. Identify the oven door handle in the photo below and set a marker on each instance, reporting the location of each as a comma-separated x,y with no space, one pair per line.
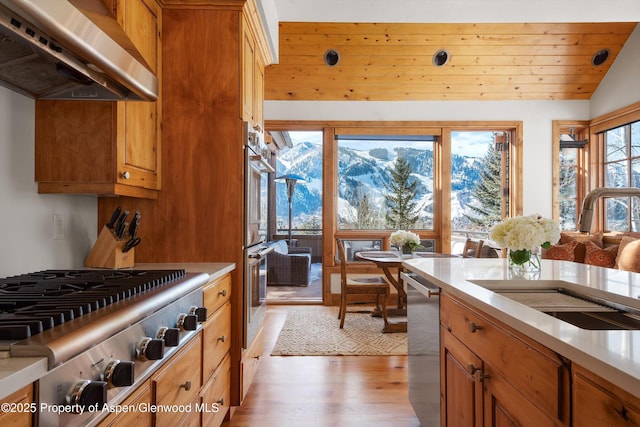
263,253
428,289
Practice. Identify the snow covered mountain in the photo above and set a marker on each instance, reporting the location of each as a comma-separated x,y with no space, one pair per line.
364,171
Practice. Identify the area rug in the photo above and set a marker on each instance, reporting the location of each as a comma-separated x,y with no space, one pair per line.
315,331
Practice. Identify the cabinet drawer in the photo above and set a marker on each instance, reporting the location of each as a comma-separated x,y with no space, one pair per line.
217,293
597,402
251,360
22,399
216,340
216,395
178,382
140,418
537,372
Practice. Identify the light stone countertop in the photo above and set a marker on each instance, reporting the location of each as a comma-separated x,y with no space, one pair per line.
611,354
17,372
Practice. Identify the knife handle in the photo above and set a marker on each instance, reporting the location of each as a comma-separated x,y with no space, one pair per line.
114,217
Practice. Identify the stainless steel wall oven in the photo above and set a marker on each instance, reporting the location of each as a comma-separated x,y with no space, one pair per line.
257,168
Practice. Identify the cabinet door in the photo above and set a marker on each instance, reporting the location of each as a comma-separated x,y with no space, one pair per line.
258,97
248,69
17,417
597,402
178,382
506,406
459,385
139,154
138,418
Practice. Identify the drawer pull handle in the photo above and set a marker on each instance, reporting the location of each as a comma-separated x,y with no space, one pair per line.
223,293
223,338
220,402
473,328
257,357
186,385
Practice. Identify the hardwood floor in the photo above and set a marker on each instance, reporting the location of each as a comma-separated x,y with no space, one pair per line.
322,391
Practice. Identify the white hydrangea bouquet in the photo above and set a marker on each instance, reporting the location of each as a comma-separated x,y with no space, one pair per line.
523,236
406,240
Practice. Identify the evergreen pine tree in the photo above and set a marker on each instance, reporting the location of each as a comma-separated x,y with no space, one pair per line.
402,212
488,191
365,214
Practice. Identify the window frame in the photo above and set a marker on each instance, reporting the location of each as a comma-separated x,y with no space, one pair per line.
582,131
596,173
442,170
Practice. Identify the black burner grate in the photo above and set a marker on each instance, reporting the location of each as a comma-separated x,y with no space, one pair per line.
34,302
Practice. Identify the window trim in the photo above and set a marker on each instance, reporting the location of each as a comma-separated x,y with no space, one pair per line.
582,130
596,174
442,180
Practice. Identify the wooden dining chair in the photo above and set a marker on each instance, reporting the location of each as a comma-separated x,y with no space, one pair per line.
351,286
472,248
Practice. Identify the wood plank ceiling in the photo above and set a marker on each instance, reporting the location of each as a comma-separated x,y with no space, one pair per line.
388,62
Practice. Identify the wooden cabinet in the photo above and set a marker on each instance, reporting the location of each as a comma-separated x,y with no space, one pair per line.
461,393
178,383
20,411
202,151
251,360
140,397
105,147
215,396
522,381
597,402
252,78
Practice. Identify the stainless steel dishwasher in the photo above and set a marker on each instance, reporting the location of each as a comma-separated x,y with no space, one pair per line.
423,317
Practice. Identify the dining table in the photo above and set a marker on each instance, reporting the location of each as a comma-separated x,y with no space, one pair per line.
390,262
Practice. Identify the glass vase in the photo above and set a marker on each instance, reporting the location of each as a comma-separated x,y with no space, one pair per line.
406,249
524,260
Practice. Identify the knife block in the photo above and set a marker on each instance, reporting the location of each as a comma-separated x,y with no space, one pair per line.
107,252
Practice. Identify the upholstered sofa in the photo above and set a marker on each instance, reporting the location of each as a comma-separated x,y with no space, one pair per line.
287,265
613,250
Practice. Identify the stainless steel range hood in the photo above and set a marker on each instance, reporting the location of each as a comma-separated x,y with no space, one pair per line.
55,49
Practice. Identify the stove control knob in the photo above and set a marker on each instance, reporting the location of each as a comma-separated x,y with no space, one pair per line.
187,322
150,349
171,336
200,312
119,374
87,393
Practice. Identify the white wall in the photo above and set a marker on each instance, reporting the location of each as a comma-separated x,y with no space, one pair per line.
26,217
621,86
536,116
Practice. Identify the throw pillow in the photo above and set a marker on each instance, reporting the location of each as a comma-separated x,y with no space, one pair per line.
562,252
280,247
628,258
580,250
595,255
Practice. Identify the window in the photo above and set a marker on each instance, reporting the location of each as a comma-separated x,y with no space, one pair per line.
301,157
385,182
569,170
622,169
479,179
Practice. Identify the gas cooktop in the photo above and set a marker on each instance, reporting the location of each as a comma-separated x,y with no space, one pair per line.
35,302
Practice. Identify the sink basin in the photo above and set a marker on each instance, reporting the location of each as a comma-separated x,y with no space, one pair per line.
568,305
599,320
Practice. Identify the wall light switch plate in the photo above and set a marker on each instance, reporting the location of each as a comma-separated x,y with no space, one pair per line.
58,227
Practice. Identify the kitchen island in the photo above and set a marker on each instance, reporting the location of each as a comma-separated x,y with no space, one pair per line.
511,349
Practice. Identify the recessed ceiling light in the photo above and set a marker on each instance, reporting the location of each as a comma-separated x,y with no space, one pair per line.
600,57
331,57
440,58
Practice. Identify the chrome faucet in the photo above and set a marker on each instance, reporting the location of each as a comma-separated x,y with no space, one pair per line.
586,216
